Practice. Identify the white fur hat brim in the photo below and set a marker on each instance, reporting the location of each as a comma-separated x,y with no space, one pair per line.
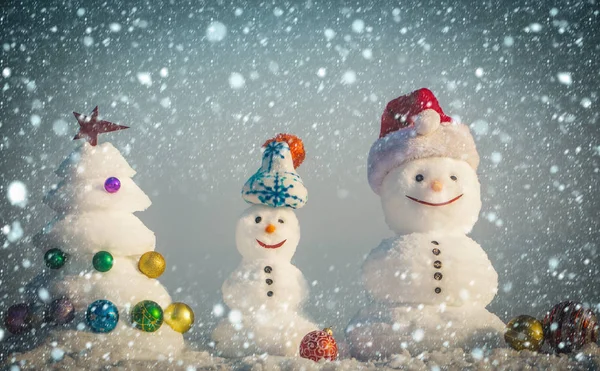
387,153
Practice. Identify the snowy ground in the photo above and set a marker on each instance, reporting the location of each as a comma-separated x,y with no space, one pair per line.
51,356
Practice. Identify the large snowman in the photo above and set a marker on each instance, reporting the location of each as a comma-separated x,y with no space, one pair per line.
430,284
266,290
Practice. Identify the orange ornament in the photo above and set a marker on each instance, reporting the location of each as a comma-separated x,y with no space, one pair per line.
318,345
295,144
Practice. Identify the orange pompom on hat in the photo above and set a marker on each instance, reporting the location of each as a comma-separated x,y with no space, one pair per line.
276,183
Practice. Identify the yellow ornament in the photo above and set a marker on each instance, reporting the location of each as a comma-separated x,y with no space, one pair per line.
524,332
179,316
152,264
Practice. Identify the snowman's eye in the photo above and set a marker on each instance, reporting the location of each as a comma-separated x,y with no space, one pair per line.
453,177
258,219
419,178
280,221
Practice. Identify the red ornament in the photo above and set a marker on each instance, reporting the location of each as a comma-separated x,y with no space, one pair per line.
90,127
400,112
319,345
568,326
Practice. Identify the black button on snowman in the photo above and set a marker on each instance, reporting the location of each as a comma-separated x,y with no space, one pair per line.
269,281
437,265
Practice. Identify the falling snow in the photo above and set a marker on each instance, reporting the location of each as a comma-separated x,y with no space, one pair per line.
235,316
236,81
17,193
480,127
216,32
565,78
144,78
57,354
358,26
60,127
115,27
202,86
349,77
496,157
14,232
534,27
35,120
329,33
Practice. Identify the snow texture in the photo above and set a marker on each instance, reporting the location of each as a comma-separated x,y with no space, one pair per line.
94,359
431,283
404,215
266,291
109,230
90,220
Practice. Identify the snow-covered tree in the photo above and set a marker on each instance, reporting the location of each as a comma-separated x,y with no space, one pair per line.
93,248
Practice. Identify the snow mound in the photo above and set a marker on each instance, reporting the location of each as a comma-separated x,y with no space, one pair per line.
41,358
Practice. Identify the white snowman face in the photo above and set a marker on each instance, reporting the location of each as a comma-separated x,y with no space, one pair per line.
265,232
431,194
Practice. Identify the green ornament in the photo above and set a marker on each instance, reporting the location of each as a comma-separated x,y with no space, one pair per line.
55,258
147,316
102,261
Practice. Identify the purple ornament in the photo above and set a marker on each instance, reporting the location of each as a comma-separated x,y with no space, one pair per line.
112,184
18,318
61,311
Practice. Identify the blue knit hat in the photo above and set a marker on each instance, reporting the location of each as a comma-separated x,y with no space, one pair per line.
276,183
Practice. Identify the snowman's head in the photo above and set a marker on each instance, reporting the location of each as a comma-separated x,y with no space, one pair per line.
265,232
430,194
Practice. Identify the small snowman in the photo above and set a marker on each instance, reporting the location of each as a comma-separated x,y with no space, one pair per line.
430,284
266,290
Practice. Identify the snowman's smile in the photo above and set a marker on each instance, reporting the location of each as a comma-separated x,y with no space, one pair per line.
277,245
434,204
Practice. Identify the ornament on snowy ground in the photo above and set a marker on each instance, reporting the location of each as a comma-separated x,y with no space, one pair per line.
147,316
318,345
38,315
60,312
179,316
102,316
55,258
112,184
568,326
102,261
90,127
524,332
152,264
18,318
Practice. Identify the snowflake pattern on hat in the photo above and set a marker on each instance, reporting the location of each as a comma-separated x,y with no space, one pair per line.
276,183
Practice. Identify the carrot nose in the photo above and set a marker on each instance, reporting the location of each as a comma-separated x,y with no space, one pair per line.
270,228
437,186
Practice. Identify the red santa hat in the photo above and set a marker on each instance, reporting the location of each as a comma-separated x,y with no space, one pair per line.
414,126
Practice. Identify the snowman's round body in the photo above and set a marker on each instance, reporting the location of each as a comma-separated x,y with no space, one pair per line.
430,283
265,291
273,284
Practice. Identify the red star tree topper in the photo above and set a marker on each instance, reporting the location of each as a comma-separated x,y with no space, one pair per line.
90,127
